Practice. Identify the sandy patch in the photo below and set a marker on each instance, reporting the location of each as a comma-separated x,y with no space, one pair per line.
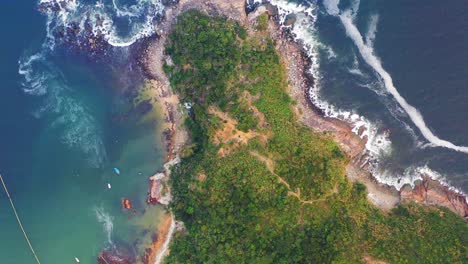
229,135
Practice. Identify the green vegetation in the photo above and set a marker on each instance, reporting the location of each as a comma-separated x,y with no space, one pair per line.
262,21
270,190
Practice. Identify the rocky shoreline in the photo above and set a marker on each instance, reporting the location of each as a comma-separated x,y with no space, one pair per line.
152,60
428,192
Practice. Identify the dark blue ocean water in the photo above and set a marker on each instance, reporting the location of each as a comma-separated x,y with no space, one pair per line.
424,49
65,122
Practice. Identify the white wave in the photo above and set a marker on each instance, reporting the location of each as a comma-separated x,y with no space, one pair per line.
145,30
372,30
134,10
426,171
285,8
331,54
355,69
101,16
409,177
413,174
99,4
378,143
332,7
57,16
34,83
378,87
106,220
354,7
62,8
372,60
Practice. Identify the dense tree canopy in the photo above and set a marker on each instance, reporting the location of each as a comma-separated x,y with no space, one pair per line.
265,189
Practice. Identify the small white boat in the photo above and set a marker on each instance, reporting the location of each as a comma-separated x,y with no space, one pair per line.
109,185
77,260
117,171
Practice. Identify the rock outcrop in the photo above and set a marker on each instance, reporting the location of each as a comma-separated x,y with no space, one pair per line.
431,192
115,257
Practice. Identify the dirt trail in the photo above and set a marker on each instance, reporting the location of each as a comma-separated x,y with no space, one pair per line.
270,165
153,58
230,136
250,99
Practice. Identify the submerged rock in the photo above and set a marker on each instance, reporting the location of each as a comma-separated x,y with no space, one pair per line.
126,204
115,257
271,9
169,3
143,107
290,20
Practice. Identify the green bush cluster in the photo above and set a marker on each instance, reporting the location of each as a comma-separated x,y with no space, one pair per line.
235,208
262,21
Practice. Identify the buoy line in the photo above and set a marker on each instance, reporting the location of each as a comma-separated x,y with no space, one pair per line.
101,257
19,221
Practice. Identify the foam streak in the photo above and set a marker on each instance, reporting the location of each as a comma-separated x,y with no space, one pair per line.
106,221
372,30
372,60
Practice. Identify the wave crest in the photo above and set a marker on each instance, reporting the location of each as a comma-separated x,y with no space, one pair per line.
368,55
378,142
120,25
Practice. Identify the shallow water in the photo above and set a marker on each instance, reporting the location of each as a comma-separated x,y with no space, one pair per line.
66,122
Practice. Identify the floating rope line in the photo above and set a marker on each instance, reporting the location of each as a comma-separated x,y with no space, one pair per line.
101,257
19,221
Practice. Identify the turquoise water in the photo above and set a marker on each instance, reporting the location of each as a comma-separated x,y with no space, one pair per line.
66,122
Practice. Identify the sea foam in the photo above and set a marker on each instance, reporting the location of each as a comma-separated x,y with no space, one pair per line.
378,144
106,220
367,53
60,104
380,141
102,18
372,30
62,107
